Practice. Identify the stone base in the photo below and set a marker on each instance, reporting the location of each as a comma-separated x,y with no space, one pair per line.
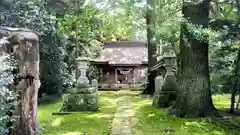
104,86
80,102
163,100
160,101
164,96
89,90
3,133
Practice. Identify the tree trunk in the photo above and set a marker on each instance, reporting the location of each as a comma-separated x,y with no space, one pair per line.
25,45
237,70
194,96
150,21
29,86
236,83
238,102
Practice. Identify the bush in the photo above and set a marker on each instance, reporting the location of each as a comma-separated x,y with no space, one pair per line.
93,72
8,97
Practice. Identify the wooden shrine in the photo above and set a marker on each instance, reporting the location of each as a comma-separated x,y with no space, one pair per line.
122,64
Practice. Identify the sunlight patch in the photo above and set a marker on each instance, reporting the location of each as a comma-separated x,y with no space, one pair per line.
57,122
73,133
99,116
215,132
151,115
194,124
109,100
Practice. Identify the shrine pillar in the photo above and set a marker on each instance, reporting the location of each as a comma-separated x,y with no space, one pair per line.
133,77
116,76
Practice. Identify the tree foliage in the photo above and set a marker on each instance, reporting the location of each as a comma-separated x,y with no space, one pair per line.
34,15
8,97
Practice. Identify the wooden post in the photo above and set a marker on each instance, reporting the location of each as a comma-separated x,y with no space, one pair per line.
101,75
133,77
116,76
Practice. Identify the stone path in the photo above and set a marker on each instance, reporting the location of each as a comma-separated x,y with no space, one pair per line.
124,118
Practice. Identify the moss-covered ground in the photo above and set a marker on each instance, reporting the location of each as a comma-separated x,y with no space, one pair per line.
76,124
151,121
154,121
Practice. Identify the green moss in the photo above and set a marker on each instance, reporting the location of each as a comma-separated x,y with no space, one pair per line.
80,102
153,121
73,124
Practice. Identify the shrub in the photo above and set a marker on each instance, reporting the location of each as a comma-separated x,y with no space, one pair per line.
8,97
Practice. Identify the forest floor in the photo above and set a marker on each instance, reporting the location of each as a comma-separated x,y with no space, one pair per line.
126,112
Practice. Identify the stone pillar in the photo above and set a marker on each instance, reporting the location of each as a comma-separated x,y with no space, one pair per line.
158,83
158,88
94,83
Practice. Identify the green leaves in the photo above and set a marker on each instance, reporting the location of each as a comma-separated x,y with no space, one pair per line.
7,95
81,29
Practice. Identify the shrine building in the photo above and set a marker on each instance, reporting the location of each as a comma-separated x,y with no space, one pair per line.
122,64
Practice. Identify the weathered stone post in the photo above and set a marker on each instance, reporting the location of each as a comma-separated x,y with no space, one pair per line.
94,83
84,97
158,88
167,93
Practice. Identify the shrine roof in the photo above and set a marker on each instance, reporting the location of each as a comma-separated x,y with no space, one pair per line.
124,52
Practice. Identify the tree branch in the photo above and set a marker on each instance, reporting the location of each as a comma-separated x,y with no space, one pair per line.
231,26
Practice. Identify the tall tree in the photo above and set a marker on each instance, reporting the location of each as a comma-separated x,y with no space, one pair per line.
237,69
194,96
150,21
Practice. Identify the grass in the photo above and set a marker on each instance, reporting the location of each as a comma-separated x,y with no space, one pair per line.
152,121
76,124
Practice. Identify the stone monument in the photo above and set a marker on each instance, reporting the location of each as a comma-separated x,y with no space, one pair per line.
84,97
166,93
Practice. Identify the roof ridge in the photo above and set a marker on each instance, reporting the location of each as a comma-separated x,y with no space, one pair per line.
119,44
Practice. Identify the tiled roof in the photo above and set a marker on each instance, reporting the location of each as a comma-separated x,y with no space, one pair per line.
124,52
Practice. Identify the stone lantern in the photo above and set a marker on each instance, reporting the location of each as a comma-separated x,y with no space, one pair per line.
84,97
170,61
166,92
82,66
